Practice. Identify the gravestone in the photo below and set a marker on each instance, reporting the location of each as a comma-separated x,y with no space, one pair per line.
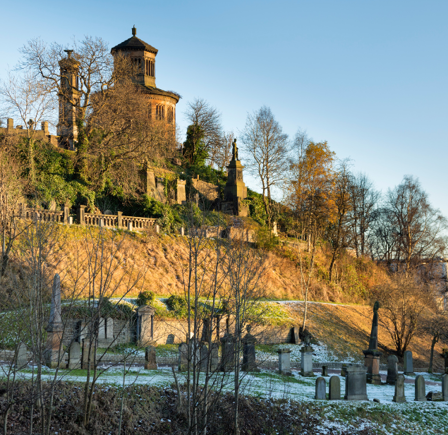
392,369
88,355
170,339
434,396
445,388
102,329
53,352
21,359
110,328
372,354
356,383
150,358
399,396
183,357
445,356
344,370
420,395
145,325
324,370
203,357
306,361
284,361
321,389
227,353
249,363
335,388
408,363
74,356
214,357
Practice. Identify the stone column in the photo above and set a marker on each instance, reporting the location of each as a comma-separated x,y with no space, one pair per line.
81,215
66,213
249,362
372,354
53,353
356,383
145,325
284,361
120,219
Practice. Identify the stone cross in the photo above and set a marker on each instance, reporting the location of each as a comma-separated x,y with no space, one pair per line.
335,388
356,383
284,361
392,369
399,396
150,358
372,354
408,363
445,388
420,395
321,389
74,356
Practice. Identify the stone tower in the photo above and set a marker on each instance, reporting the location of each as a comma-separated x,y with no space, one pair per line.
235,190
67,128
162,104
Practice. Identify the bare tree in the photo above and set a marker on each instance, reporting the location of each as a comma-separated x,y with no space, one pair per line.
224,153
201,113
266,147
436,326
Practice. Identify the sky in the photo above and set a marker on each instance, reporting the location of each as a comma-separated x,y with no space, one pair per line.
367,76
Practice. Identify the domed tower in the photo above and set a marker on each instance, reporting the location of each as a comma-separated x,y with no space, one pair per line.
162,103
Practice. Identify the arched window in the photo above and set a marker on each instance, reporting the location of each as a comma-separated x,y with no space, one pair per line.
160,112
170,115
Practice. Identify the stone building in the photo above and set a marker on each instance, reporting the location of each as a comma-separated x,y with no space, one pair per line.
19,130
162,104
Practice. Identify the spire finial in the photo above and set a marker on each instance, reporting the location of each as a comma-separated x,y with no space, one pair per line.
134,31
69,53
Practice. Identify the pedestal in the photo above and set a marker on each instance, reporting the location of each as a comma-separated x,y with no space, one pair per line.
306,362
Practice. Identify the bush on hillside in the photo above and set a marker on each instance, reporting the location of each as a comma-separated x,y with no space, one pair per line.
146,298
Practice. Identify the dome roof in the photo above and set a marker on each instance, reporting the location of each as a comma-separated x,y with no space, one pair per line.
134,43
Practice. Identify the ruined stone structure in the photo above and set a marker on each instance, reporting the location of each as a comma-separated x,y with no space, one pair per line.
19,130
162,104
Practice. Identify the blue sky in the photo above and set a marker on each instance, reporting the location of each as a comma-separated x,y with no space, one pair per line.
369,77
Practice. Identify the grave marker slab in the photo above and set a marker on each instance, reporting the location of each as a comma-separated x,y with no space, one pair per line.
284,361
150,358
356,383
399,396
408,363
321,389
392,369
445,388
420,395
335,388
74,356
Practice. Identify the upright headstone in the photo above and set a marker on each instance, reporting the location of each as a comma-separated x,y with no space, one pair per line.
372,354
392,369
306,361
183,357
150,358
356,383
445,356
399,396
321,389
408,363
21,359
420,395
249,363
227,353
102,329
74,356
53,354
445,388
88,354
145,325
214,357
284,361
335,388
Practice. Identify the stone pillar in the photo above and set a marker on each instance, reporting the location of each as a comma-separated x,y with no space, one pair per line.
160,189
420,394
150,358
10,125
399,396
445,356
20,357
249,362
392,369
181,195
284,361
356,383
372,354
145,325
81,215
44,126
214,357
157,228
129,226
74,356
321,389
227,353
445,388
102,329
335,388
53,353
408,363
66,213
120,219
203,357
110,328
306,361
182,231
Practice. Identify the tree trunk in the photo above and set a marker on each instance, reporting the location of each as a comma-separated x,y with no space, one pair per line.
431,354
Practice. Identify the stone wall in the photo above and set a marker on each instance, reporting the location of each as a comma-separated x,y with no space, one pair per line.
207,190
42,134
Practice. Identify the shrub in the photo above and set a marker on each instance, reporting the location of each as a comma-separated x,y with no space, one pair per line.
177,304
146,298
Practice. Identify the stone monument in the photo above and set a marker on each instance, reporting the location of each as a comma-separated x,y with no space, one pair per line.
306,361
372,354
335,388
445,388
54,353
408,363
321,389
74,356
20,357
249,362
150,358
420,395
145,325
284,361
399,396
227,353
356,383
392,369
183,357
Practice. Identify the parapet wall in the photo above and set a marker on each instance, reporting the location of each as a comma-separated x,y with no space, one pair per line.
42,134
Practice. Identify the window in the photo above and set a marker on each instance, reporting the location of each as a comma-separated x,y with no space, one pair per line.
170,115
160,112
